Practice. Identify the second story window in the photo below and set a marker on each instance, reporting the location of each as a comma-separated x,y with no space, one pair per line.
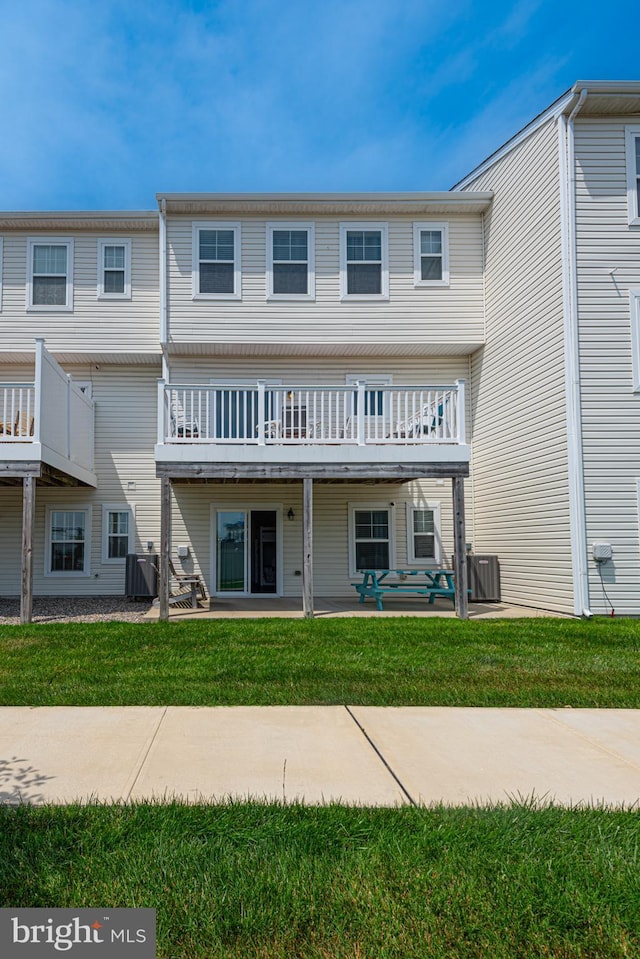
633,173
50,279
114,269
364,272
290,261
431,254
216,261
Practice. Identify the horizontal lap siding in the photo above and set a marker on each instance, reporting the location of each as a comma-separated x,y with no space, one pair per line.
125,421
521,504
610,409
412,315
93,325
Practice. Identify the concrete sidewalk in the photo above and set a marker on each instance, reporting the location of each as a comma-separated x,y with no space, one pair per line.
367,755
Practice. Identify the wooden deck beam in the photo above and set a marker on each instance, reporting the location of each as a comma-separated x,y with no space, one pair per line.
165,541
307,547
460,549
28,519
400,472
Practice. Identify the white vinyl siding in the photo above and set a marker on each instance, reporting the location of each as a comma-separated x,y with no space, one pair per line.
50,274
520,468
290,261
431,254
364,261
632,143
426,320
114,269
1,262
68,542
95,326
216,261
608,260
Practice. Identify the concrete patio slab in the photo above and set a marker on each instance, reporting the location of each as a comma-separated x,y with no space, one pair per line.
61,754
457,756
314,754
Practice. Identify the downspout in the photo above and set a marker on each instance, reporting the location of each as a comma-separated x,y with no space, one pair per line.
164,318
572,359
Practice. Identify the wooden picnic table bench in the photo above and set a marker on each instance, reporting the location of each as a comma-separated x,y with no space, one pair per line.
421,582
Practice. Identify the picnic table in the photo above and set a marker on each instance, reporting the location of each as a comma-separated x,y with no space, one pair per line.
421,582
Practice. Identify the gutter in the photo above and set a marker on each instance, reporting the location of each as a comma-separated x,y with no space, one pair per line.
577,518
164,317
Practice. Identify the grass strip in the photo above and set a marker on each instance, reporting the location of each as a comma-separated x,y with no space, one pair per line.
249,880
396,661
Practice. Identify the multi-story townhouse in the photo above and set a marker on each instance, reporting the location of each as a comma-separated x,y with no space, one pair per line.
276,390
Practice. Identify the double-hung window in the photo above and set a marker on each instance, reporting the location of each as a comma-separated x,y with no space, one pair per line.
68,542
117,533
290,261
114,269
216,261
371,538
423,535
364,261
431,254
50,274
633,173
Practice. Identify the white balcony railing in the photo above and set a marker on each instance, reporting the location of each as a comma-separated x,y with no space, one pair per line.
262,414
51,412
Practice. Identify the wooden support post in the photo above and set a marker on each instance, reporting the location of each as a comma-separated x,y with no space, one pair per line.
28,516
460,554
307,547
165,539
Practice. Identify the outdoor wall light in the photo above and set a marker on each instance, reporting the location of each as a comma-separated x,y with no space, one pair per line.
290,514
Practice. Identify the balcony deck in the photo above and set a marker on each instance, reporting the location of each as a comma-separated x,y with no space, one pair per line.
46,426
291,431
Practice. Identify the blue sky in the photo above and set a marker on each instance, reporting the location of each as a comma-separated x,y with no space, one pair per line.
106,102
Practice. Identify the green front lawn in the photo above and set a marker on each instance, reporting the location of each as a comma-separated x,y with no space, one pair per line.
399,661
291,882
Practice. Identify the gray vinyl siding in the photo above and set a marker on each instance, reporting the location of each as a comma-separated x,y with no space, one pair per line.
126,419
520,476
93,326
608,252
424,315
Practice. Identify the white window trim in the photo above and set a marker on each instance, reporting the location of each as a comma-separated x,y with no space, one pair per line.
631,134
68,508
1,261
311,268
117,508
634,316
353,507
114,241
384,285
49,241
443,227
411,556
237,267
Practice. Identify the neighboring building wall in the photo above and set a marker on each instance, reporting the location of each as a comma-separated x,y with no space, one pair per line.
94,325
608,252
125,429
424,315
518,394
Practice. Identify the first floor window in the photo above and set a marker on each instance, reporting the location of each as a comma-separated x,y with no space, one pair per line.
117,536
423,535
371,537
50,274
68,544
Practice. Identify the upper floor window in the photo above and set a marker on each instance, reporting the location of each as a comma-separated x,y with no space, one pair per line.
431,254
216,261
364,267
114,269
633,174
290,261
50,274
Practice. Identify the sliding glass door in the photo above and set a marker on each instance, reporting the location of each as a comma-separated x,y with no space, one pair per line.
246,545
